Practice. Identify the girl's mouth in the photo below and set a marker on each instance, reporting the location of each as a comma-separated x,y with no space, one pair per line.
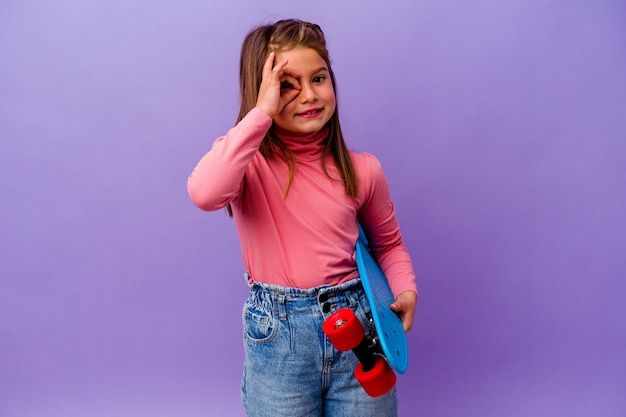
310,113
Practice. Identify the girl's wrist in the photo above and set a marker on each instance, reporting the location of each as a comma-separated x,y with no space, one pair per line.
264,111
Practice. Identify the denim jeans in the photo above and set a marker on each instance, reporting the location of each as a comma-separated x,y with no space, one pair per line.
291,368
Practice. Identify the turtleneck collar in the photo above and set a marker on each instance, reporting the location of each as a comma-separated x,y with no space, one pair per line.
306,146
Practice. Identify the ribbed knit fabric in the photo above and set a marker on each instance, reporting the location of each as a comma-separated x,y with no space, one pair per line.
307,238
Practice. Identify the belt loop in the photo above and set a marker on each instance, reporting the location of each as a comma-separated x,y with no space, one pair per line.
282,308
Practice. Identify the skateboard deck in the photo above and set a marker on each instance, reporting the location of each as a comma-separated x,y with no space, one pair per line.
389,328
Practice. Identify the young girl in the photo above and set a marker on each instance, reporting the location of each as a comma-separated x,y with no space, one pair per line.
297,193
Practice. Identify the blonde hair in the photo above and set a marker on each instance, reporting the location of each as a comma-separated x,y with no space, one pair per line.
280,36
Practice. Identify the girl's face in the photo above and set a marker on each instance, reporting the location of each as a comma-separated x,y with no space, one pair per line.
315,104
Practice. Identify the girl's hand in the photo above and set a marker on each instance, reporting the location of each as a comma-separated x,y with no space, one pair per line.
272,98
404,306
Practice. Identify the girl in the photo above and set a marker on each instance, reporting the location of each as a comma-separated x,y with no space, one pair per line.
296,193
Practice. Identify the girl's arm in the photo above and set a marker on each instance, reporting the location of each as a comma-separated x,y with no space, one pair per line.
218,176
377,216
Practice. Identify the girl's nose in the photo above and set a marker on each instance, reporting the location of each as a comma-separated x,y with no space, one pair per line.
307,94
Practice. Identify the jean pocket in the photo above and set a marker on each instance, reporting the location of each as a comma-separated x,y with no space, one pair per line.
258,323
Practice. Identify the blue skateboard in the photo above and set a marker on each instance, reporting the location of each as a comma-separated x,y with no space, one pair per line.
383,349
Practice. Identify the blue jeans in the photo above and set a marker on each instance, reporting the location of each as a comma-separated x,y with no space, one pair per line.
290,368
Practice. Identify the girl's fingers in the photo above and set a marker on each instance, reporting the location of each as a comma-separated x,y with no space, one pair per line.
280,70
269,63
290,88
404,306
279,86
279,65
292,74
271,71
292,82
289,96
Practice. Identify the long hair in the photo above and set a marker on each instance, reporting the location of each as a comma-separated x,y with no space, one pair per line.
280,36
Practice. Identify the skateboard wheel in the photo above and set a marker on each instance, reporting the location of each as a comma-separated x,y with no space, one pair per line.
344,330
377,381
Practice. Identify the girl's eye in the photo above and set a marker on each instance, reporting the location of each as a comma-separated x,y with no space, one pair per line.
285,85
319,79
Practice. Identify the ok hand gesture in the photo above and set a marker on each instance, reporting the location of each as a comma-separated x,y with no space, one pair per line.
273,96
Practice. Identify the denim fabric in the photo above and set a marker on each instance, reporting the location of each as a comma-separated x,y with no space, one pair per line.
290,368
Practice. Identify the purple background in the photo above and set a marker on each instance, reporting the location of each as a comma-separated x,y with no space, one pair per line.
501,127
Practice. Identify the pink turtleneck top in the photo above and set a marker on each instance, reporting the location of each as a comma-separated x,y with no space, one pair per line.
306,239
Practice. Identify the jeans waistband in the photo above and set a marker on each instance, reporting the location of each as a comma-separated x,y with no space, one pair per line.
303,300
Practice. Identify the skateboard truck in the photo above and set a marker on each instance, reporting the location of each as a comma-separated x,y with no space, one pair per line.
346,332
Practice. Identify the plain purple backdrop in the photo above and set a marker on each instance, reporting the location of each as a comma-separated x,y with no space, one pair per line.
501,127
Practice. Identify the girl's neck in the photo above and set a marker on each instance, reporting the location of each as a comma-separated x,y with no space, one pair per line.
306,146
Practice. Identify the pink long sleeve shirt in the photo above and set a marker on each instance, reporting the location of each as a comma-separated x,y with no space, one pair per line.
306,239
